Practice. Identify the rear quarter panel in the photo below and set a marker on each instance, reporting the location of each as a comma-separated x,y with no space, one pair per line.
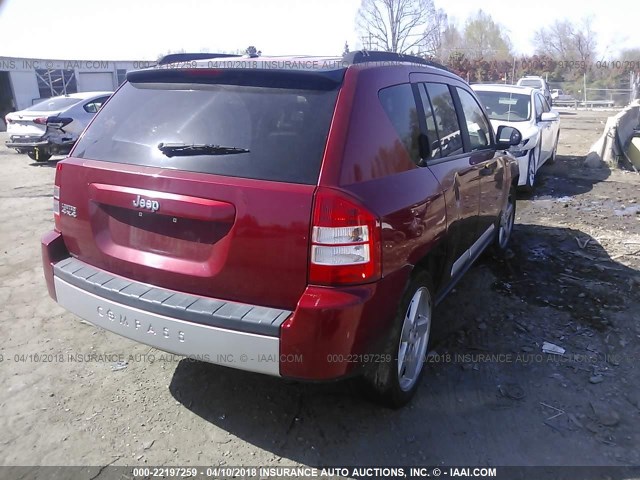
375,167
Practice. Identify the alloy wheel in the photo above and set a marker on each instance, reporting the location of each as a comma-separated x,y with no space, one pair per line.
414,339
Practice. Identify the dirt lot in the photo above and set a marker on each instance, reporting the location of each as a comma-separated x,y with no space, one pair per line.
489,396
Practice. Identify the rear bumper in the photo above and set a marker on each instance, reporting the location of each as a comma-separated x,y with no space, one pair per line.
16,141
29,143
245,351
332,333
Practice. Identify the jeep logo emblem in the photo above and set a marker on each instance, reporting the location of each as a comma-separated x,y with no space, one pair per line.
141,202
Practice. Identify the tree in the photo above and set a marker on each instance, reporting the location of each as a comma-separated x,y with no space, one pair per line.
253,51
400,26
485,38
566,42
346,49
451,42
434,41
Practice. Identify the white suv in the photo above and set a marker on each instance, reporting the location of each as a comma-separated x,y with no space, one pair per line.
538,83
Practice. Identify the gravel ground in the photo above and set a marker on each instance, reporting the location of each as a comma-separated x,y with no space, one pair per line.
489,396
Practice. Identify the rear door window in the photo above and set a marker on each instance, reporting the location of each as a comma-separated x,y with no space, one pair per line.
446,120
94,105
478,127
400,105
255,132
430,124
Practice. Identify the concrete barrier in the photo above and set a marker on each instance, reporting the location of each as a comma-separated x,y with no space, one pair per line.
606,148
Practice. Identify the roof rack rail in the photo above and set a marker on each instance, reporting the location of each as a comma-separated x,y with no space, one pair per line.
189,57
364,56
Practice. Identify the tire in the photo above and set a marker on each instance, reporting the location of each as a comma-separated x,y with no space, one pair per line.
395,382
40,156
532,170
505,224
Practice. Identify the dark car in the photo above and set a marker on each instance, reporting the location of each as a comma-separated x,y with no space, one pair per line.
296,217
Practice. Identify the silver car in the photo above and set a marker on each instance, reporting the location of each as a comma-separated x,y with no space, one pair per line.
51,127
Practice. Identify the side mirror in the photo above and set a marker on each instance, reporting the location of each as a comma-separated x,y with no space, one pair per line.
507,137
548,117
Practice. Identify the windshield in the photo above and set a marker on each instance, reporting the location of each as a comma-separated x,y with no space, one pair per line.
530,83
55,103
508,107
240,131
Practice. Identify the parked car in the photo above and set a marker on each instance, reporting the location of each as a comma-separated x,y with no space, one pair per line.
559,96
527,110
538,83
51,127
297,222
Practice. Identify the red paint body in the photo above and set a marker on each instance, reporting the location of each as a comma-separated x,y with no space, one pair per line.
248,240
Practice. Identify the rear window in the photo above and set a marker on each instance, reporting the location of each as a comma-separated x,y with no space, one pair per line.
56,103
530,83
283,129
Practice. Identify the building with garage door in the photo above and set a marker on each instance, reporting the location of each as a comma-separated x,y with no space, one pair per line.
25,81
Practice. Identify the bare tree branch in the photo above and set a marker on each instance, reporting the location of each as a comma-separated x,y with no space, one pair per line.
564,41
400,25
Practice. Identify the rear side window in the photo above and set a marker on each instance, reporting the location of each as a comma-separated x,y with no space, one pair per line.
94,106
477,125
263,132
400,105
446,120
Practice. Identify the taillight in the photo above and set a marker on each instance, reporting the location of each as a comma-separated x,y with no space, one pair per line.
59,121
345,241
56,197
40,120
56,200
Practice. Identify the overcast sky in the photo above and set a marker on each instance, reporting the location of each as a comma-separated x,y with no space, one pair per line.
143,29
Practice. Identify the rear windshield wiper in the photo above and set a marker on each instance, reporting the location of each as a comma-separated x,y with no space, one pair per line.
182,149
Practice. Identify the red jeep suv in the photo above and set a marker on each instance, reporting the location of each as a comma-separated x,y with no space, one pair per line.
298,217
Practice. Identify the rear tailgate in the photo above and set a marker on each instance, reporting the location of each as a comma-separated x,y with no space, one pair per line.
230,226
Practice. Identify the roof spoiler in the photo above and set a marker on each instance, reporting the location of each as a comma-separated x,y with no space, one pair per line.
290,79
